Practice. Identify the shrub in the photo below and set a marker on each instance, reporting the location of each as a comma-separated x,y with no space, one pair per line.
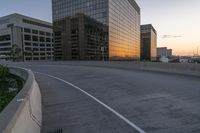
4,71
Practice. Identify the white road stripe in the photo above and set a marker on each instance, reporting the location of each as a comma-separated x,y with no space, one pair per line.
100,102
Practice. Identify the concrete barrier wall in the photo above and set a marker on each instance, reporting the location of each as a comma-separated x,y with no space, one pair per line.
175,68
24,113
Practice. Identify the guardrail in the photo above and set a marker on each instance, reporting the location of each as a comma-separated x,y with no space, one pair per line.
24,113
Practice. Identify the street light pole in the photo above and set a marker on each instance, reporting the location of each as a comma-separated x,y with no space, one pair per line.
102,51
194,52
198,50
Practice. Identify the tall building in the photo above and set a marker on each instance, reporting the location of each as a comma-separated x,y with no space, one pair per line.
164,52
148,43
32,37
96,29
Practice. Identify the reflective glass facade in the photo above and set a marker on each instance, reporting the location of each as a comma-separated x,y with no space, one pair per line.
80,38
96,9
120,22
124,30
153,45
148,43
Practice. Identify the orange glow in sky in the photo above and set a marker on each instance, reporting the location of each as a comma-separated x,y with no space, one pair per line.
176,21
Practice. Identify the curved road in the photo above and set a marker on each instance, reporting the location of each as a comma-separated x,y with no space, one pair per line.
129,101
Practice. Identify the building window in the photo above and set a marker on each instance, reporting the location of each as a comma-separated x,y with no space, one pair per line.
42,33
27,30
42,45
35,38
48,34
42,58
36,23
35,49
36,54
27,44
10,25
35,58
42,39
5,38
48,45
27,37
48,49
34,31
42,54
42,49
5,44
35,44
48,39
28,58
28,49
5,49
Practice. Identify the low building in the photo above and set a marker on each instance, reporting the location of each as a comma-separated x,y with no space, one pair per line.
164,52
194,60
148,43
32,38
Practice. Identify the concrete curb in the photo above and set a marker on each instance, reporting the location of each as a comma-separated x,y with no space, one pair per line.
24,113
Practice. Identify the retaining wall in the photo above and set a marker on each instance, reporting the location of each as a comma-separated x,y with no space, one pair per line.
24,113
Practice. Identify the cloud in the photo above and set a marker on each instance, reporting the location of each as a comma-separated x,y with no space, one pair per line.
171,36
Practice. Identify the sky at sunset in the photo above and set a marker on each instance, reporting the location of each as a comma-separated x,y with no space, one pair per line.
176,21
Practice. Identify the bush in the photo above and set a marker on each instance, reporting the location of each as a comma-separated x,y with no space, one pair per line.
10,85
4,72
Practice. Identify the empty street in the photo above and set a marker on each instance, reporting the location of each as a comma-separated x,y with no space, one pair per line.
81,98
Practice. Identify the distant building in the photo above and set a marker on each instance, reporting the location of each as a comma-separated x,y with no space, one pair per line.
164,52
163,59
96,29
194,60
169,52
148,43
31,36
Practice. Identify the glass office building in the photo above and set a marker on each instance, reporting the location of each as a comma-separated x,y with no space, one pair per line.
148,43
115,37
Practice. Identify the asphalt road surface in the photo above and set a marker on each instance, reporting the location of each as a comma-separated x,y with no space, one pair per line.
85,99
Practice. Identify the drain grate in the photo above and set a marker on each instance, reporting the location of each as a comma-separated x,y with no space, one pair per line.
56,131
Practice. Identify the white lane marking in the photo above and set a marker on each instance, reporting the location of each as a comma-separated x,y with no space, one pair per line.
97,100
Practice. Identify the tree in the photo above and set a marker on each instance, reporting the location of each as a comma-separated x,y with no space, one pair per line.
15,52
29,53
4,71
